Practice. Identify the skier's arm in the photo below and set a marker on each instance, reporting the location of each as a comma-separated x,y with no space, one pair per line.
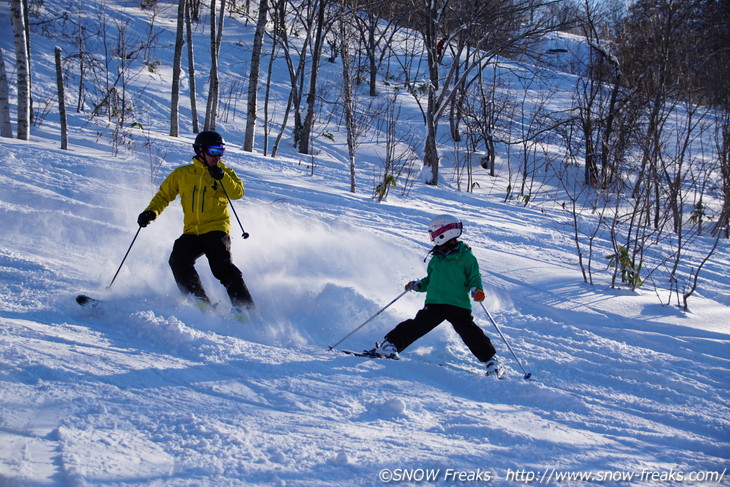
165,195
425,280
473,276
233,184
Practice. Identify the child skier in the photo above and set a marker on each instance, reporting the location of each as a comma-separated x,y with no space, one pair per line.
452,275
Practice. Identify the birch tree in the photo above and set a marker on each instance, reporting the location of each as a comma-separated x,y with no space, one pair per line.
26,19
348,103
722,141
22,64
6,129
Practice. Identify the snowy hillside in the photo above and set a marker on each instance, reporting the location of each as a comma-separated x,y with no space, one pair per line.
148,390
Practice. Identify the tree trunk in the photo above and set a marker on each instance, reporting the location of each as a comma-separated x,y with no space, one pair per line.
312,95
191,68
430,153
347,101
370,52
6,130
176,69
82,69
26,19
61,99
211,113
253,77
22,67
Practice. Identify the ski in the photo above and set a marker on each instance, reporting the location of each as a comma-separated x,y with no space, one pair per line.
501,374
87,301
364,353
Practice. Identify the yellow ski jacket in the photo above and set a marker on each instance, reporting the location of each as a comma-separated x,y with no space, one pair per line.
204,204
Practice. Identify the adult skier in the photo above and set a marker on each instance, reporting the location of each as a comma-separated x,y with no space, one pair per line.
204,188
452,276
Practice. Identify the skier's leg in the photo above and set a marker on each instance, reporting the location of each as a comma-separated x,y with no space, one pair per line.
218,252
472,336
185,252
411,330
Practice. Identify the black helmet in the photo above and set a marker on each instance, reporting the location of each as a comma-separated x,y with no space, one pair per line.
207,138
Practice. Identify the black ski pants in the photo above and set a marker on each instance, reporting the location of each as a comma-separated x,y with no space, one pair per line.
216,246
433,315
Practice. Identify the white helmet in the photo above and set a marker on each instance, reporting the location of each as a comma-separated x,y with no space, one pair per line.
444,228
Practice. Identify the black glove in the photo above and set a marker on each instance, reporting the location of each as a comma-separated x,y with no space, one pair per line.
146,217
216,172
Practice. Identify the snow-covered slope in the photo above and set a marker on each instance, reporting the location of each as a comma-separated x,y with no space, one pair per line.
148,390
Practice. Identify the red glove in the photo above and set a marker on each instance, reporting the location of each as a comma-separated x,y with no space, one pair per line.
477,294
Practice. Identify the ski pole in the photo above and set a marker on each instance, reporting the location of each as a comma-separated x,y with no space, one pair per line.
230,203
369,319
125,258
527,374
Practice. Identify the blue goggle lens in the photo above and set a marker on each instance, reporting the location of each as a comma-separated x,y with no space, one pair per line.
215,151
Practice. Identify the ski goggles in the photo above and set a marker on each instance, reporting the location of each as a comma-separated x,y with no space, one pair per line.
215,150
444,229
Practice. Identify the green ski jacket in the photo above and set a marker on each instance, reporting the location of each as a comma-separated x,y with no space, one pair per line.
450,277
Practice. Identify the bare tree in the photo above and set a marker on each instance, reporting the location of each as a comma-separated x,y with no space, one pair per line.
176,69
398,157
377,26
583,231
61,99
6,129
191,66
722,142
83,56
22,63
253,77
482,111
320,30
296,73
216,35
348,102
303,18
276,31
26,18
492,27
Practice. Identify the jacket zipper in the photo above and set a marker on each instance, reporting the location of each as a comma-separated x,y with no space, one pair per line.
202,200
